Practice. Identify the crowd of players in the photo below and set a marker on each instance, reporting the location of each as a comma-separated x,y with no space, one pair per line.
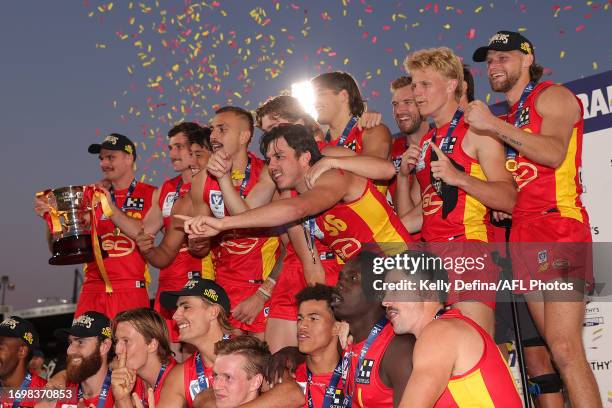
265,265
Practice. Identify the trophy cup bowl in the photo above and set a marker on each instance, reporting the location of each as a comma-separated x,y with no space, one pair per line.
72,245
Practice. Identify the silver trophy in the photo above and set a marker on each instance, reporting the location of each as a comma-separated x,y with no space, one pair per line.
69,220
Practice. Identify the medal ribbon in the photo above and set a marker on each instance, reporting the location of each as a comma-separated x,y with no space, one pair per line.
347,129
330,390
24,386
103,392
200,372
511,151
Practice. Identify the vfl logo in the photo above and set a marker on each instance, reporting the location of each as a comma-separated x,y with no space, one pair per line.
334,226
397,163
431,201
171,197
345,247
117,246
524,174
240,247
421,162
194,388
215,199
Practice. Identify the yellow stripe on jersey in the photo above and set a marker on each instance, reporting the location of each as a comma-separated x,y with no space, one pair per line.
268,255
474,211
208,267
565,187
147,275
375,215
471,391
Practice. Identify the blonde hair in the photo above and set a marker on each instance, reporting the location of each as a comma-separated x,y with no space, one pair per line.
442,60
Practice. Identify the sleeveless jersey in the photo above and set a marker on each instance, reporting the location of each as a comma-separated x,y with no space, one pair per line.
141,389
190,379
184,262
369,219
317,388
245,255
470,218
488,384
37,382
109,403
124,261
368,389
543,189
354,141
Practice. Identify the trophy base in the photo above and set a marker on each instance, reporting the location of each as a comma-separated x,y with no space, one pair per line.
72,250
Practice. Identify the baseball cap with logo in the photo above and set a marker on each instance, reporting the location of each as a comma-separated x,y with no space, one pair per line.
205,288
89,324
114,141
18,327
504,41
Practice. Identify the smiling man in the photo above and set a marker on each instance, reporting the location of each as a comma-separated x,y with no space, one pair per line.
550,225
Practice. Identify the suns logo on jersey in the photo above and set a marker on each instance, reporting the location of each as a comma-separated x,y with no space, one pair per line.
334,226
345,248
525,174
431,201
117,245
241,246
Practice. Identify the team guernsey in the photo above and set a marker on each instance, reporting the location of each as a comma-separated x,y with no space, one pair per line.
140,388
364,387
125,267
243,258
346,227
32,381
488,384
544,189
469,219
194,383
104,399
180,270
316,385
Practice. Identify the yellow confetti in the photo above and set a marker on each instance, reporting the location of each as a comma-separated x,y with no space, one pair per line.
175,67
595,66
562,54
488,97
346,61
478,9
522,29
447,26
407,46
100,45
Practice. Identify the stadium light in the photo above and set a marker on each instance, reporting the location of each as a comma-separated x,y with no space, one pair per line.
304,93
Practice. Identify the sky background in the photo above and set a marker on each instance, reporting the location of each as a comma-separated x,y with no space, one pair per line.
74,71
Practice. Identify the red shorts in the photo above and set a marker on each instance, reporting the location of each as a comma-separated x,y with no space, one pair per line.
125,295
239,291
471,270
283,304
551,248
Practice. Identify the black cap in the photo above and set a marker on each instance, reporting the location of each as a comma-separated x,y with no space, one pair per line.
114,141
504,41
89,324
204,288
16,326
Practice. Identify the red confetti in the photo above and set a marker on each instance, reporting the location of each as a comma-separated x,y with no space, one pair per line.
386,27
580,28
374,39
369,9
471,34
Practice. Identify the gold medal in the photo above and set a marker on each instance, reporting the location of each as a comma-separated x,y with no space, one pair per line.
511,165
116,231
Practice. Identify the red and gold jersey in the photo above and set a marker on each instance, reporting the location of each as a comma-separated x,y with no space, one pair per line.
346,227
36,383
354,141
488,384
470,218
543,189
124,261
141,389
317,387
184,262
245,255
367,388
109,402
190,379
